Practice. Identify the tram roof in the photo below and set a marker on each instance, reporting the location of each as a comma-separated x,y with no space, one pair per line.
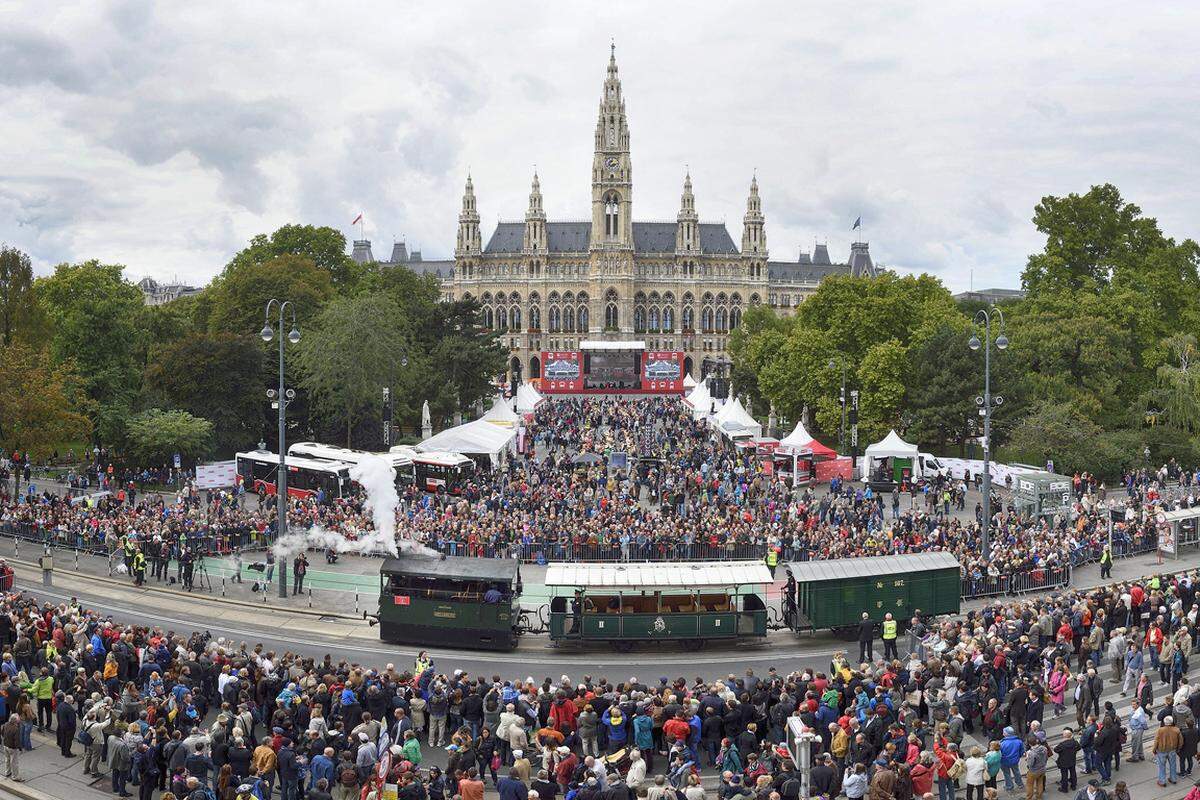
869,566
462,567
648,575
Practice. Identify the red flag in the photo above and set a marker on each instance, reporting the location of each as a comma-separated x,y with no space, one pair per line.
357,220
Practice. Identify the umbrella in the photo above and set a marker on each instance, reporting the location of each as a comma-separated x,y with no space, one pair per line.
588,458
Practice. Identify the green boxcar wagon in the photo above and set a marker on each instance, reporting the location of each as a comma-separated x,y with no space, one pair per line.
446,601
834,594
691,603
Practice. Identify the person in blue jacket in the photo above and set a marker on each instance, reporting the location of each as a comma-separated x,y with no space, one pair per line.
1011,750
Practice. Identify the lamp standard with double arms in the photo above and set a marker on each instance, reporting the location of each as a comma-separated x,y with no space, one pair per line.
281,397
985,403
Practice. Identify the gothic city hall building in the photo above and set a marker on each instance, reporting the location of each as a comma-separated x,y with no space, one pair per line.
683,285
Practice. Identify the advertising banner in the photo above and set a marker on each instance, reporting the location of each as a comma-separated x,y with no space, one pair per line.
562,371
662,371
217,475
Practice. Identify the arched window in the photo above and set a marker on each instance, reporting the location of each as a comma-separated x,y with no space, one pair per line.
535,318
569,319
735,318
668,320
514,318
610,315
653,318
488,319
688,319
706,319
555,320
639,319
612,212
581,319
721,320
501,318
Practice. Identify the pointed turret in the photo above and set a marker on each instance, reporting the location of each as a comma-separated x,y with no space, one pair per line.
535,219
687,233
470,242
612,173
754,235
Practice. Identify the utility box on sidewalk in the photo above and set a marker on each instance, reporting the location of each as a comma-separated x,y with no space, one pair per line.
1042,494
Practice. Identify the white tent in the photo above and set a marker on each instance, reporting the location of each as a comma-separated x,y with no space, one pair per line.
689,382
528,398
472,439
700,401
892,446
801,439
501,413
735,422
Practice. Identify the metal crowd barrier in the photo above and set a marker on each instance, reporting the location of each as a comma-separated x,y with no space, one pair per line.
1032,580
541,552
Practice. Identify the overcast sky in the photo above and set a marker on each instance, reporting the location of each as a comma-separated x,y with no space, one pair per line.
164,136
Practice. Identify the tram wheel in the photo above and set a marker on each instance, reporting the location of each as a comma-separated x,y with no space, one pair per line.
692,645
622,646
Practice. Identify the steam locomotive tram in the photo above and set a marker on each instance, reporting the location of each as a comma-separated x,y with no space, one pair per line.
475,603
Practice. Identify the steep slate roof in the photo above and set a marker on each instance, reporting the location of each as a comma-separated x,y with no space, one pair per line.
574,237
803,271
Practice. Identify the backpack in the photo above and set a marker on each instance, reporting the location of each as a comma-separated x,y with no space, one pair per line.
84,738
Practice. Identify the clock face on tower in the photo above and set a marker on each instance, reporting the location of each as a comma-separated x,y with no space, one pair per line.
611,162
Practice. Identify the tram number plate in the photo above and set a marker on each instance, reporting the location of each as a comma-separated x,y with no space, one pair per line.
401,600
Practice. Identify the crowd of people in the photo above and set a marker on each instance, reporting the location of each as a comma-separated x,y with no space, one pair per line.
970,705
684,493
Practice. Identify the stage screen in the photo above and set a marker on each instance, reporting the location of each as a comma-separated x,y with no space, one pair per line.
612,369
562,371
662,371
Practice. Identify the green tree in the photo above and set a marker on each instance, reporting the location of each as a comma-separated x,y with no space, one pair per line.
41,404
753,344
155,436
95,314
217,376
355,350
944,378
16,281
1059,431
241,295
456,360
1180,381
323,246
881,377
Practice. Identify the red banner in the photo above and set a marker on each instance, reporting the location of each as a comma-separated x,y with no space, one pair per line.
662,371
562,371
842,467
401,600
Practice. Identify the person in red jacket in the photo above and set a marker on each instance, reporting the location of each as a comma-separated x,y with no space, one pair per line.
922,778
676,730
563,714
567,762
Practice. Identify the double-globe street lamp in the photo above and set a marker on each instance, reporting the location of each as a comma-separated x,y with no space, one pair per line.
985,403
282,397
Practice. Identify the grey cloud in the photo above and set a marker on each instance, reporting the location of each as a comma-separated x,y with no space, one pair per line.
29,58
224,133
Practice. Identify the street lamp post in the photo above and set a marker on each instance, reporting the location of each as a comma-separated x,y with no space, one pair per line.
985,404
842,400
283,397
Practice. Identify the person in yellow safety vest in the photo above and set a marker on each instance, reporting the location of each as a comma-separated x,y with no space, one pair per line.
1106,560
772,560
127,546
139,567
1155,583
889,638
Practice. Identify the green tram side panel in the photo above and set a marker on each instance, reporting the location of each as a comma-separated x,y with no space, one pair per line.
838,603
645,627
445,613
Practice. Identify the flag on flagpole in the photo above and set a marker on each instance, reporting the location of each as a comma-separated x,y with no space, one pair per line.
857,224
357,220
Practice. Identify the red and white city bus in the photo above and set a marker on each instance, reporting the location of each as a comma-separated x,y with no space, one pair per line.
306,476
442,472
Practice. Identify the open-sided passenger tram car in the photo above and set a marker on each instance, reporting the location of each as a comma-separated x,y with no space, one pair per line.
691,603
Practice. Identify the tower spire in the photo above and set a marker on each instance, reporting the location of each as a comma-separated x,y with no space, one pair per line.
687,231
469,240
612,174
754,237
535,218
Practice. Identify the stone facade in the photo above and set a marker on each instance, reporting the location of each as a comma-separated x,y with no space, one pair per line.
683,285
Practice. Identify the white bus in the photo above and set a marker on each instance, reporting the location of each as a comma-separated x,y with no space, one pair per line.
439,471
306,476
327,452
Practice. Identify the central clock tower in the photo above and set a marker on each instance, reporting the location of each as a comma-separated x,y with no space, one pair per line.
612,173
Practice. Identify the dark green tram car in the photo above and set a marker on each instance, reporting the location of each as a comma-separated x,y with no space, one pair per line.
690,603
453,601
834,594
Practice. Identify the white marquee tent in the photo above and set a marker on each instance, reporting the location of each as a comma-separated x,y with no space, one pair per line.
689,382
701,401
480,437
501,413
892,446
735,422
528,398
